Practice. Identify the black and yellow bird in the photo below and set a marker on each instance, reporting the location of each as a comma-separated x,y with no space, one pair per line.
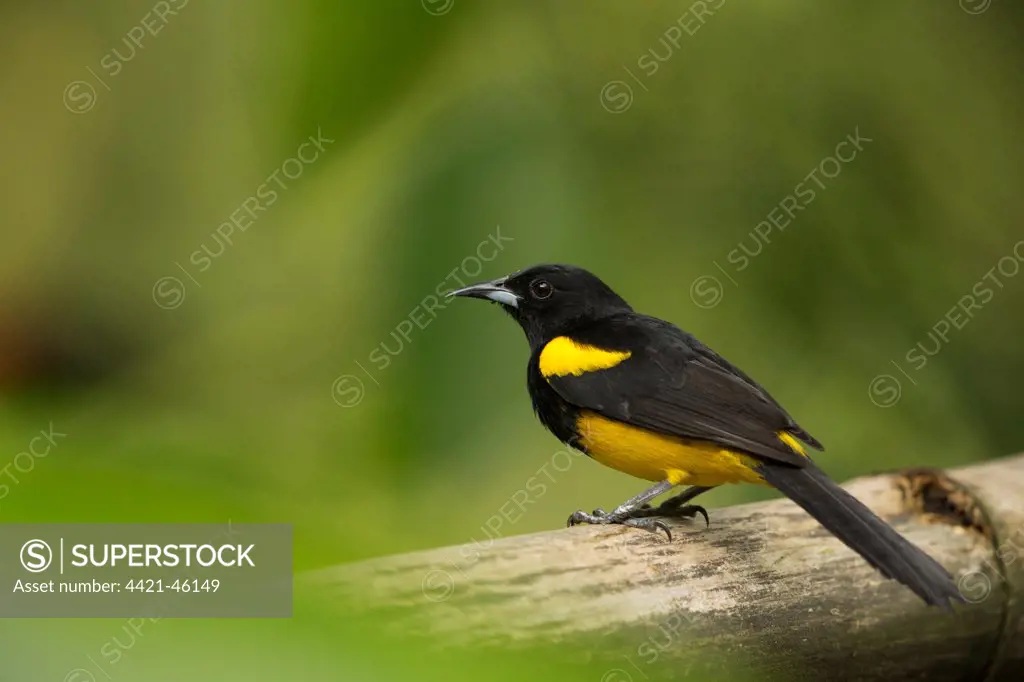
642,396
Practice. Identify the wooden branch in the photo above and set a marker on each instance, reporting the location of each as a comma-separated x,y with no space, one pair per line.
764,583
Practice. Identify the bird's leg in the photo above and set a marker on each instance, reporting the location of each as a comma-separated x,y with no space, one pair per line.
623,514
677,507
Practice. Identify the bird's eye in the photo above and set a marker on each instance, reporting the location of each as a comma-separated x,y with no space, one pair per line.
541,289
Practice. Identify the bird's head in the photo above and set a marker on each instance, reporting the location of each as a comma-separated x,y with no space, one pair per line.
549,300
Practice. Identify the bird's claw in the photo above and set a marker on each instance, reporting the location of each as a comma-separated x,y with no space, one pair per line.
676,511
650,525
599,517
691,510
579,516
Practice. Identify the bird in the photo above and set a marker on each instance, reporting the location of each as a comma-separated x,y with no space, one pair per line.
640,395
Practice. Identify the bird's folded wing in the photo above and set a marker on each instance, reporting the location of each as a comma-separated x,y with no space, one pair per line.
672,387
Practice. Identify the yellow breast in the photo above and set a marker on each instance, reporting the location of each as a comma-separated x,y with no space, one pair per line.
658,457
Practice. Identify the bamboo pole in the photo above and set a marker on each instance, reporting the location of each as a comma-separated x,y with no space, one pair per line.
764,582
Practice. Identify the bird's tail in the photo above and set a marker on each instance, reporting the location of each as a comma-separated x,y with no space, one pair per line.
863,532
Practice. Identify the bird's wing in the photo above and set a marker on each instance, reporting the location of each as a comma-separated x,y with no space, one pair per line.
673,384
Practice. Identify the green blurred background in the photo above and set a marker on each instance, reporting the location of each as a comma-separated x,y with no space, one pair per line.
644,141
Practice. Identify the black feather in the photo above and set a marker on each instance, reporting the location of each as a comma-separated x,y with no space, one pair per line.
857,526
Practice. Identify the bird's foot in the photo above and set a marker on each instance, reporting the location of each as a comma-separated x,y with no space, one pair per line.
675,511
621,517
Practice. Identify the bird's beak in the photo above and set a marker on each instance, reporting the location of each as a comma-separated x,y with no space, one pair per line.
493,291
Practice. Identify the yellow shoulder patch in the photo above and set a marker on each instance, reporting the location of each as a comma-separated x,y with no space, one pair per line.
793,443
563,356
